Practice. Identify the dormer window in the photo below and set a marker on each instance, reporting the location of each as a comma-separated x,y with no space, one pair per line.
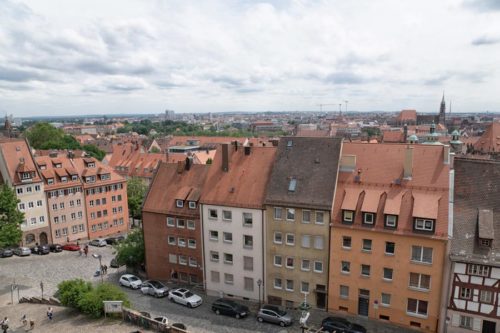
292,185
26,175
43,167
105,176
64,179
485,242
391,221
74,177
192,205
50,181
91,165
58,165
90,179
424,225
179,203
347,216
369,218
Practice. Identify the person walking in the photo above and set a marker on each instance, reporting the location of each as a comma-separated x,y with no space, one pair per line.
50,313
86,250
105,269
5,324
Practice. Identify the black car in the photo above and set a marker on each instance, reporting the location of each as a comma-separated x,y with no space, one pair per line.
341,325
114,240
229,308
55,248
4,253
40,249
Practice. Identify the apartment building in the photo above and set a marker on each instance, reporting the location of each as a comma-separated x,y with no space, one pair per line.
299,199
389,233
105,198
171,223
65,197
20,172
474,285
233,217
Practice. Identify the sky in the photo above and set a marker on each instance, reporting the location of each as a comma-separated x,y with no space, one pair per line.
77,57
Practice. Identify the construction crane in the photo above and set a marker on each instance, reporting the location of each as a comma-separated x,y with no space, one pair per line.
321,106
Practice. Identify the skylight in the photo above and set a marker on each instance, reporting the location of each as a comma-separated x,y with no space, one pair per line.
292,185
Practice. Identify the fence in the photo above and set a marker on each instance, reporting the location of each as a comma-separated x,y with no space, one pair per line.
137,319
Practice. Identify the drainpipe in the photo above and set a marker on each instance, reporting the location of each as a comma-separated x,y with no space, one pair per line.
263,224
203,248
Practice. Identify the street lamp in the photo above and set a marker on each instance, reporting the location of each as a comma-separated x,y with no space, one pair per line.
98,256
259,283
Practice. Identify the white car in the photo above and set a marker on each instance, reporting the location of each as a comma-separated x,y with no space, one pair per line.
184,297
98,242
131,281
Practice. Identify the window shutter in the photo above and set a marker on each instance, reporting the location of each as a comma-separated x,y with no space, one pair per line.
476,324
455,320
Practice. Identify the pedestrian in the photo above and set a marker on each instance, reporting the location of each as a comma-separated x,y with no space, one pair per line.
80,251
102,269
32,324
86,250
24,320
105,269
5,324
50,313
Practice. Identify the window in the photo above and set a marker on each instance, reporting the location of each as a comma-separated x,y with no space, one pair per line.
193,262
80,215
346,242
19,190
289,285
421,254
304,287
289,262
347,216
290,214
81,228
306,241
344,291
103,201
192,243
368,218
385,299
183,260
78,202
41,219
248,283
73,216
247,241
58,233
424,225
39,203
228,278
465,293
214,235
390,248
320,217
318,242
171,240
65,231
290,239
72,203
214,256
56,219
98,202
367,245
278,237
63,218
318,266
485,242
420,281
227,215
248,263
54,206
416,307
29,189
365,270
306,216
228,258
278,261
215,276
113,198
192,205
21,206
305,265
247,219
190,224
278,284
388,273
391,221
345,267
31,204
74,229
212,213
179,203
466,322
228,237
181,223
278,213
292,185
480,270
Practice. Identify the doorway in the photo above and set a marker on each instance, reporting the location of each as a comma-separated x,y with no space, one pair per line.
363,302
43,238
320,296
489,326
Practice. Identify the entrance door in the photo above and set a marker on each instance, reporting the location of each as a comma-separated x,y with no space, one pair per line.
43,238
363,302
320,296
489,326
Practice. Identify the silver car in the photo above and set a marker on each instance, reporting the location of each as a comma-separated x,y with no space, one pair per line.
98,242
154,288
274,314
22,251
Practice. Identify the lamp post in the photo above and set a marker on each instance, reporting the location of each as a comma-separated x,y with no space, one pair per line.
259,283
98,256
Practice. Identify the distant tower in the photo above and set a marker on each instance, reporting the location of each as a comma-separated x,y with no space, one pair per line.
442,112
7,127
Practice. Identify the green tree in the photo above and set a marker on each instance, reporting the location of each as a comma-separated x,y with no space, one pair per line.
131,251
136,190
92,301
10,218
70,292
45,136
94,151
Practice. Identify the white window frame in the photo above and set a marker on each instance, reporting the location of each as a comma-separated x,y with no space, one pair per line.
387,269
423,226
319,213
192,204
214,256
304,211
226,240
388,221
228,262
213,210
419,284
224,215
280,261
369,270
384,303
345,214
370,221
212,237
278,285
317,270
171,240
286,285
416,314
344,291
363,245
293,261
190,224
179,203
344,238
305,268
192,243
421,259
245,223
281,237
292,212
347,265
276,210
180,224
293,240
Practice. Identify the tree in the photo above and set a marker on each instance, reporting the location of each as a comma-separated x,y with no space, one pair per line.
93,151
131,250
45,136
71,291
10,218
92,302
136,190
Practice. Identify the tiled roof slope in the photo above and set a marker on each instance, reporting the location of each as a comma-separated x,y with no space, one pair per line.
168,182
477,188
377,179
67,169
17,156
244,184
489,142
313,162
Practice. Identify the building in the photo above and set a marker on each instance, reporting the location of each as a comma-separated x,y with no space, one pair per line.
474,291
389,233
299,199
489,142
171,223
65,197
233,217
20,172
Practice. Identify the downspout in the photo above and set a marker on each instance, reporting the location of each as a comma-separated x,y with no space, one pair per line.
203,248
264,256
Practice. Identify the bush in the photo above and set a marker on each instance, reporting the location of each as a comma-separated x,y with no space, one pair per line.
71,291
92,302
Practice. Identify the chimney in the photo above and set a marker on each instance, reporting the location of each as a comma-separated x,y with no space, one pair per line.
247,150
180,167
188,163
446,154
408,164
405,133
235,143
347,163
225,157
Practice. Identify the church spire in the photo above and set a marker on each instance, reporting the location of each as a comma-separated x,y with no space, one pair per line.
442,112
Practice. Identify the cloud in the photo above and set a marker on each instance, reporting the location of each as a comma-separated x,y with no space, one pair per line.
483,5
20,75
346,78
485,40
470,77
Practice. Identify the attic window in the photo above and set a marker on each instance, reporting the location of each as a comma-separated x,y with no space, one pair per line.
50,181
26,175
105,176
74,177
43,167
289,144
292,185
192,204
58,165
64,179
179,203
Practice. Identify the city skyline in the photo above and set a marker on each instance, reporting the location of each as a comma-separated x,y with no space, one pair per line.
86,57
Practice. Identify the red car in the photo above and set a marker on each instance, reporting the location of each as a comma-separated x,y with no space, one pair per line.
71,247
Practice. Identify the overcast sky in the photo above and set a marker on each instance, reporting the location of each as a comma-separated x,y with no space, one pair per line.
73,57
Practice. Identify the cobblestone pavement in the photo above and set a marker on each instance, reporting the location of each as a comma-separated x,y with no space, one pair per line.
28,272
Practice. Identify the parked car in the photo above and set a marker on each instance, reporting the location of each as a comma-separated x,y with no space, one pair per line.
55,248
4,253
154,288
162,320
71,247
22,251
341,325
98,242
114,240
273,314
145,314
131,281
40,249
185,297
229,308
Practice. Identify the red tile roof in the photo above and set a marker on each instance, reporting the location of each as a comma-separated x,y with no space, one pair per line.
17,156
407,115
489,142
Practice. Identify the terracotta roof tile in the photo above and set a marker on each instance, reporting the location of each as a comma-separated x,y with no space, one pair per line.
16,151
371,201
426,205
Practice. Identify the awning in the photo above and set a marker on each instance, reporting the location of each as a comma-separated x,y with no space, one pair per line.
350,199
425,205
393,203
371,201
